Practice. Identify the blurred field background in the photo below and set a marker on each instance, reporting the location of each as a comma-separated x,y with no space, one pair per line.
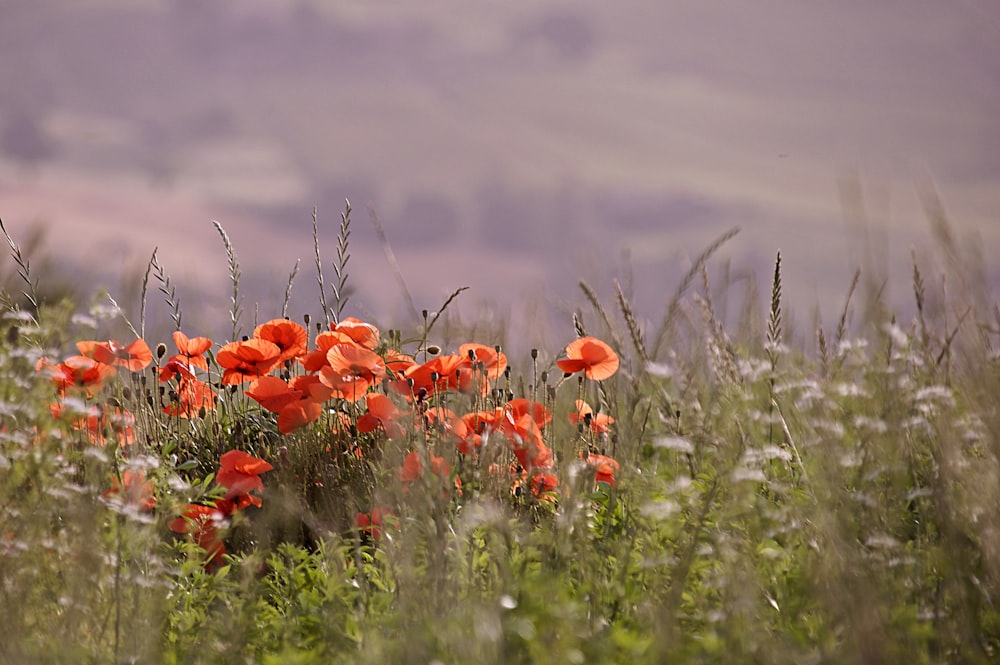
514,148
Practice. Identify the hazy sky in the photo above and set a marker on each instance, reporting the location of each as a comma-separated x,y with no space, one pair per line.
510,147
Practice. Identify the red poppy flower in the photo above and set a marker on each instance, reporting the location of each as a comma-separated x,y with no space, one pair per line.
589,355
351,360
247,360
202,523
190,397
316,359
290,337
297,403
446,369
544,485
521,407
527,445
191,347
599,423
178,367
272,393
351,370
135,357
382,413
397,363
133,490
189,355
364,334
473,428
604,467
239,473
413,468
445,423
77,372
374,521
493,362
100,424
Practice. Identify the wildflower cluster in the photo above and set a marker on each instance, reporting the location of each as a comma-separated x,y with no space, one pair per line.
350,384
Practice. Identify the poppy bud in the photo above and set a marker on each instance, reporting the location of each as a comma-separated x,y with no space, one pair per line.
545,377
202,411
306,318
126,394
433,349
534,354
161,350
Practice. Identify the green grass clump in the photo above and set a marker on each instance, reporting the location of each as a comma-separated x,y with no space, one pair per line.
724,495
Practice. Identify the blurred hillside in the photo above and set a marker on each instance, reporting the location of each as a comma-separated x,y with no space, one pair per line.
514,149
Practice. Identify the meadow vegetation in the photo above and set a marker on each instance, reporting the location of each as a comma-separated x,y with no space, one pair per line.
676,490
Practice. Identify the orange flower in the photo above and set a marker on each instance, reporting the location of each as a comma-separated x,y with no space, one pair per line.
190,398
298,414
545,485
290,337
133,490
599,423
315,360
100,424
522,406
296,404
239,473
178,367
493,362
247,360
373,523
444,421
594,358
351,370
382,412
272,393
134,357
437,374
527,445
397,363
604,467
413,468
202,523
77,372
363,334
189,356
